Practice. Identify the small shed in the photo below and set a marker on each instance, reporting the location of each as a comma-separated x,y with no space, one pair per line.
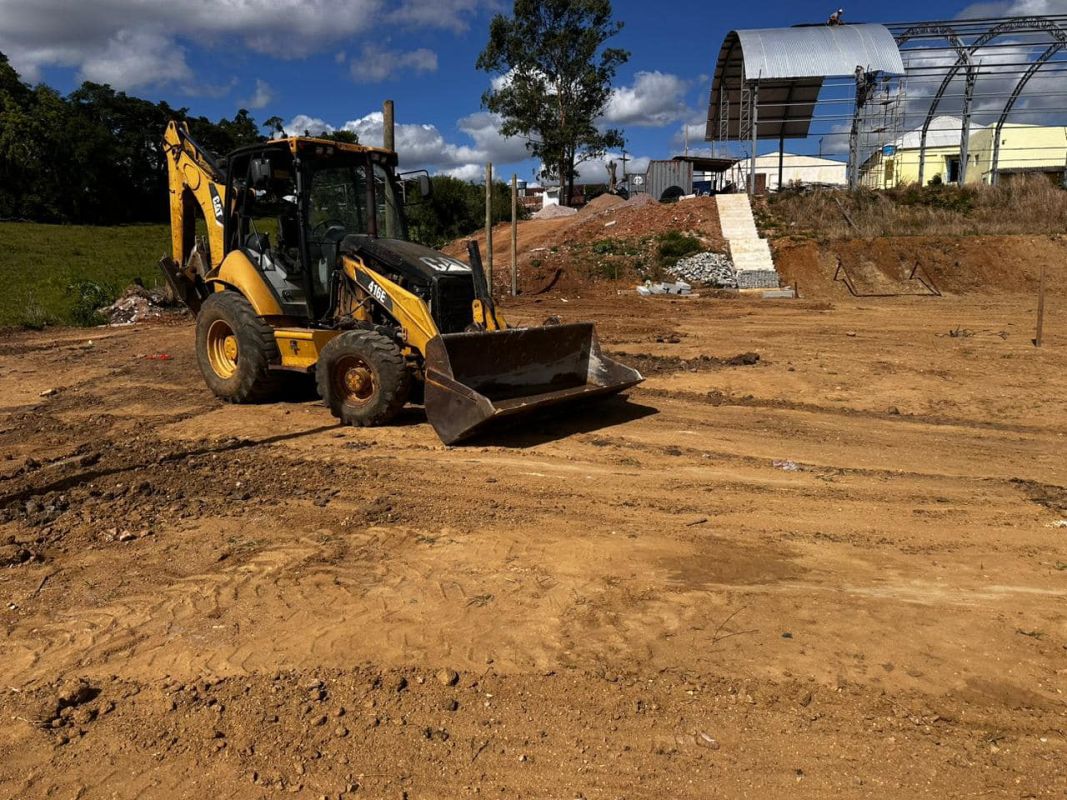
669,180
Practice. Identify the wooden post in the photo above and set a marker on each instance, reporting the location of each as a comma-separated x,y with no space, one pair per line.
489,226
514,234
1040,307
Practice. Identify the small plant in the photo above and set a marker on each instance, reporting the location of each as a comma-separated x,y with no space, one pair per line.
89,298
674,245
34,316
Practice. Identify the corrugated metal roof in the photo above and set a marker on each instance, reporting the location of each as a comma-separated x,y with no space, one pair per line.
818,51
790,64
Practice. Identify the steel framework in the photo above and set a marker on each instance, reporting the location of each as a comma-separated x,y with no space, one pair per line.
958,77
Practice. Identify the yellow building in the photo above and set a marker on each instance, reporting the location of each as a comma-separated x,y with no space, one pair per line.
897,164
1024,149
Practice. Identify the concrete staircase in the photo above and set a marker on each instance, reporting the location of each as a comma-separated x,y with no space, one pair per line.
751,254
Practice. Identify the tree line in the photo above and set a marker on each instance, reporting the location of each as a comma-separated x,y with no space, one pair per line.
94,157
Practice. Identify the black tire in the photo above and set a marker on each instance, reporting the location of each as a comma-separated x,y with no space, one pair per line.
362,378
235,348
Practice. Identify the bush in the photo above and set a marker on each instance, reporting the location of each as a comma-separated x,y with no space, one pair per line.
89,298
674,245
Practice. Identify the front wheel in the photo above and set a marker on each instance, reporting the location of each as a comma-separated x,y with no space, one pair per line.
362,378
235,348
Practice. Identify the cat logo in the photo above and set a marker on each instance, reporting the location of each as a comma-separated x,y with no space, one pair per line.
216,204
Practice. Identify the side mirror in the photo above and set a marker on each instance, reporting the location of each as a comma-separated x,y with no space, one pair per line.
425,187
259,171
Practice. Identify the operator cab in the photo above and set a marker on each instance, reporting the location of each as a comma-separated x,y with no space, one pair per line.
296,202
300,205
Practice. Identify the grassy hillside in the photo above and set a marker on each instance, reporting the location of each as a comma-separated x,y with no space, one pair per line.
1026,206
46,269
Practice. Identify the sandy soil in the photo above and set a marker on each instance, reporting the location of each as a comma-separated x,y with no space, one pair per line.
834,572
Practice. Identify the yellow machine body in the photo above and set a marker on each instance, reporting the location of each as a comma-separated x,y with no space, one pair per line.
475,372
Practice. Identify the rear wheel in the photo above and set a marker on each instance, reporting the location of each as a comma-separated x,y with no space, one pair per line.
362,378
235,348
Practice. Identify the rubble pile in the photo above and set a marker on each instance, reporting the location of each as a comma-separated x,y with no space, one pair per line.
138,304
709,269
678,287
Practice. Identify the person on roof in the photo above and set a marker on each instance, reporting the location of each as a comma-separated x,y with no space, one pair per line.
837,18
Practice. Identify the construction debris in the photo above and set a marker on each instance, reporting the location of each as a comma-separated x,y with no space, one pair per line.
138,304
678,287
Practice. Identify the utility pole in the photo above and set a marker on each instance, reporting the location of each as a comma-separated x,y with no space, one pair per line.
388,127
489,226
514,234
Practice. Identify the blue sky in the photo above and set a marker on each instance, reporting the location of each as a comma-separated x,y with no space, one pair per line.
318,63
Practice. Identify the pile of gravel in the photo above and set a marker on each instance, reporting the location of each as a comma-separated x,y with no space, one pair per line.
709,269
554,211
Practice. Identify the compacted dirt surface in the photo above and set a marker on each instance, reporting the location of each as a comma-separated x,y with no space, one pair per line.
820,552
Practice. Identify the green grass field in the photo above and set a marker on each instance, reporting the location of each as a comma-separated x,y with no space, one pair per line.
40,263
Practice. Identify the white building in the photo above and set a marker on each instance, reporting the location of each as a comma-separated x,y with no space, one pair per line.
795,169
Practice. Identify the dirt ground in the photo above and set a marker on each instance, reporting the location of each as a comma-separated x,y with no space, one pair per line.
837,570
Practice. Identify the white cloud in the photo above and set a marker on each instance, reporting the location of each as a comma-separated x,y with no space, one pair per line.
134,43
302,124
1018,8
471,173
261,97
655,99
423,146
376,63
484,128
451,15
131,58
596,170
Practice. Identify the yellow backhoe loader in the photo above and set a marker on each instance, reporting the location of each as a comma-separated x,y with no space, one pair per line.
306,267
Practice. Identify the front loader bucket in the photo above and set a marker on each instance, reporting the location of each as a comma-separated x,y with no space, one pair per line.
477,380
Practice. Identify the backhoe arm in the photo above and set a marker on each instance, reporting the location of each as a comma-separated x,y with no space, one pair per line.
194,179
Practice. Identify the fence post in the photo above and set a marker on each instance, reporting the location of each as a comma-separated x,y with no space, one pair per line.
489,226
514,234
1040,307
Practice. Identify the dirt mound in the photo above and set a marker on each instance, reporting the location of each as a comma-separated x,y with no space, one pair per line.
601,203
555,212
901,265
611,240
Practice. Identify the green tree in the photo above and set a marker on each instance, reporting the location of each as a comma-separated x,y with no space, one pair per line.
556,76
456,208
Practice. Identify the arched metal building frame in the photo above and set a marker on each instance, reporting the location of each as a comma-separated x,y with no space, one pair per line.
769,83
